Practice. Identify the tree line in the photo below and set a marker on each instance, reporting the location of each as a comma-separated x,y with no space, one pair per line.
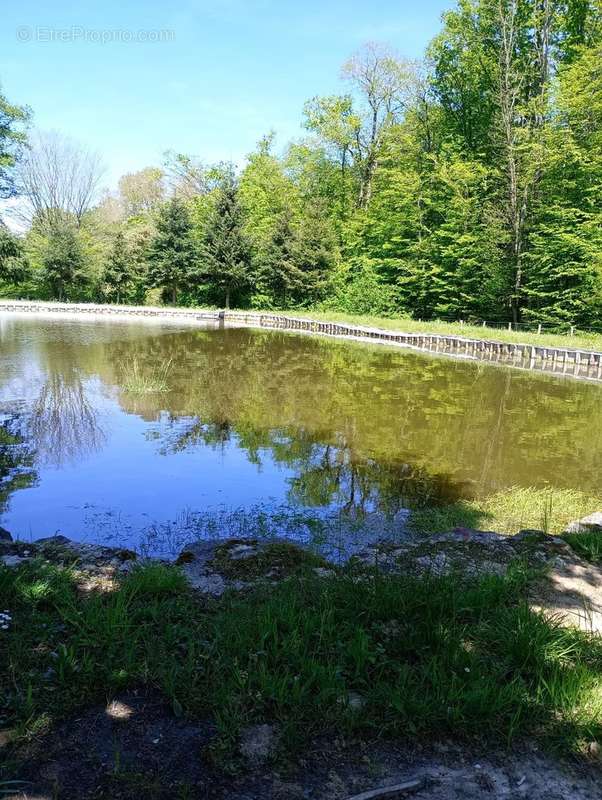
467,185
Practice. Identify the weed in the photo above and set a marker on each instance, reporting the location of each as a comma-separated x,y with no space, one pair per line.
143,379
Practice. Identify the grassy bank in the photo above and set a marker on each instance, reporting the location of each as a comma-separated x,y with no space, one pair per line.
404,324
508,511
357,654
580,340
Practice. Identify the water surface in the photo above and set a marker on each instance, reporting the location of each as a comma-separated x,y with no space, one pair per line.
258,430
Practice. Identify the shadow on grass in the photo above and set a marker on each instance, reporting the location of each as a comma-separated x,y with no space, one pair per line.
427,657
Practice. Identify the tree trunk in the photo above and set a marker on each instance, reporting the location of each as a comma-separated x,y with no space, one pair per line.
227,303
174,294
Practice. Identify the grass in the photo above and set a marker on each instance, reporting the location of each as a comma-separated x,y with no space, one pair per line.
580,340
588,544
140,379
428,657
508,511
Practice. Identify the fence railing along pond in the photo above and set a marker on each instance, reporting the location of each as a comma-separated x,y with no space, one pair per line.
574,362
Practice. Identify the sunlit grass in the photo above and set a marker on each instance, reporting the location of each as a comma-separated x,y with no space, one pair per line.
145,378
428,657
579,340
548,509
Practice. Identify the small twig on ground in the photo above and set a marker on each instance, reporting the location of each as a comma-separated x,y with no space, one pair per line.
390,791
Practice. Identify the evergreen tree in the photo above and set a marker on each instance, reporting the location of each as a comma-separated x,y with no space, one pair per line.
63,263
279,275
118,274
173,253
226,251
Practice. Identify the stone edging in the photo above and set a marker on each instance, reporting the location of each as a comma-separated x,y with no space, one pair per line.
576,363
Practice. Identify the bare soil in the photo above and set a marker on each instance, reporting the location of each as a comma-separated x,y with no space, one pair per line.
135,747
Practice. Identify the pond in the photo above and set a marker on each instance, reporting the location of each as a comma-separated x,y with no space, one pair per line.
150,434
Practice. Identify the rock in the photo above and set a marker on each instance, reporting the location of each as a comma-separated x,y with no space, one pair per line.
5,737
5,535
239,551
126,555
540,537
439,564
12,561
258,743
206,582
58,539
470,535
185,557
593,522
324,572
355,701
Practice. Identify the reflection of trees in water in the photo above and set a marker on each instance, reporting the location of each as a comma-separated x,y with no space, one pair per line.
17,457
64,423
325,474
347,417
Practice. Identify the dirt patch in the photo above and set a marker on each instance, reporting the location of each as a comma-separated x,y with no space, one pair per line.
135,747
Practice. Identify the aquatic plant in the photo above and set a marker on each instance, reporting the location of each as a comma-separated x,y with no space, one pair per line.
145,379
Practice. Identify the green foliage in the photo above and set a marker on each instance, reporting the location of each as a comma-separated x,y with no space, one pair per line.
225,247
14,268
119,273
358,289
426,656
13,119
173,253
63,264
467,188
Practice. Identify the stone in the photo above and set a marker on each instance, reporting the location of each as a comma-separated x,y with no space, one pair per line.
533,536
127,555
324,572
258,743
12,561
593,522
207,583
58,539
355,701
5,536
240,551
470,535
5,737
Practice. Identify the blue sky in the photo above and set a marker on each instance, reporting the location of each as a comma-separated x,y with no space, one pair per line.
231,71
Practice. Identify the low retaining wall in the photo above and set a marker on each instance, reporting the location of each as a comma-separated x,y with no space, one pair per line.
564,361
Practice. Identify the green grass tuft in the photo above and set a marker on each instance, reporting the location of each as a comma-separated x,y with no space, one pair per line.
509,511
143,379
588,544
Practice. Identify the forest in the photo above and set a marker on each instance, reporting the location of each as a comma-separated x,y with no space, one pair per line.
464,186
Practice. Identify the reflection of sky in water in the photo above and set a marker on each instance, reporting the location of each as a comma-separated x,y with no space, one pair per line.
264,432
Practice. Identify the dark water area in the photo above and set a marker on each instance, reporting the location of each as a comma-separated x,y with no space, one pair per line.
149,435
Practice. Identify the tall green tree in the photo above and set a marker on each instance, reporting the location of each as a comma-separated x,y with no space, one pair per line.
13,120
63,263
119,276
226,249
13,264
173,253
